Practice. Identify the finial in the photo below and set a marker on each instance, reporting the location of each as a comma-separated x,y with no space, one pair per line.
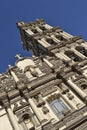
18,56
10,66
19,24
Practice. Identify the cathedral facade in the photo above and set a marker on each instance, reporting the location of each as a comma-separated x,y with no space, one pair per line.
47,91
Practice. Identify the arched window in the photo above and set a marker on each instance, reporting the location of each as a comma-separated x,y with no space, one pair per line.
73,56
82,50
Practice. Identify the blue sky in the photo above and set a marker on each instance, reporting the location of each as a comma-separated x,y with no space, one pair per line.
71,15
